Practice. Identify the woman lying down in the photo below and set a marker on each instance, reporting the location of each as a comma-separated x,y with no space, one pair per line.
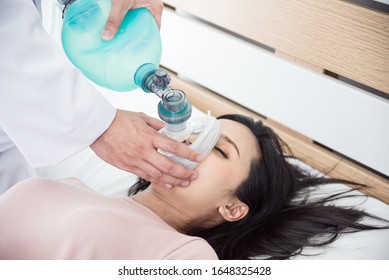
248,201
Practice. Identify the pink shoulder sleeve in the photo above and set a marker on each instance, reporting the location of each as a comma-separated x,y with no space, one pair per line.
197,249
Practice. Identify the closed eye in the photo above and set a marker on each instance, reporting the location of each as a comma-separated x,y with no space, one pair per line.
221,152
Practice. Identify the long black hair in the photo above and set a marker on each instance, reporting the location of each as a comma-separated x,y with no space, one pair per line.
283,218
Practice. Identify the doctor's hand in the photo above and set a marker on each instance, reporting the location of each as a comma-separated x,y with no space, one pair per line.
119,9
131,143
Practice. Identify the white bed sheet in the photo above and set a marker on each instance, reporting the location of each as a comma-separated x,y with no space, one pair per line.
109,180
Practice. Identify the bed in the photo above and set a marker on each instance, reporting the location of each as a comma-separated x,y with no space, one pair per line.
317,72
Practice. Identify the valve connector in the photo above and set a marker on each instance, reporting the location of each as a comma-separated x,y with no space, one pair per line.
174,108
161,79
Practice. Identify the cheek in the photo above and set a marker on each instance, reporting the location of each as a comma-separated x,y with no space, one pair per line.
204,193
216,175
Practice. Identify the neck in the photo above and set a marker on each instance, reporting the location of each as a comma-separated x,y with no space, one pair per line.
164,208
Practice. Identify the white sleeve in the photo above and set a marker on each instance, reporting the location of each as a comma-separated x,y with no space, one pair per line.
47,107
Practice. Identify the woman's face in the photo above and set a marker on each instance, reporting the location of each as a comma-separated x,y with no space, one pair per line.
220,173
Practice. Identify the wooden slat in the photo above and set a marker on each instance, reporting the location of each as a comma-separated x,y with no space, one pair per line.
302,147
346,119
340,36
299,61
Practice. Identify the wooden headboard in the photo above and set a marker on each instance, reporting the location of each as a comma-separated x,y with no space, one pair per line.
315,71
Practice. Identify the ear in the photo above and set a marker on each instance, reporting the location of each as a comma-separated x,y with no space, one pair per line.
234,211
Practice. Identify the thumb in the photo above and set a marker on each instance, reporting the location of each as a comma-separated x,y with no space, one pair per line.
154,123
114,21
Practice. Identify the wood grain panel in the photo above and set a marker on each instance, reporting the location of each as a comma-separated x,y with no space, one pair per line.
340,36
339,116
302,147
299,61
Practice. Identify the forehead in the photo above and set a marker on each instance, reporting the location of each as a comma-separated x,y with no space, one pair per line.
242,136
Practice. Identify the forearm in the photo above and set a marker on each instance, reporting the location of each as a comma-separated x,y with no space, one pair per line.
48,109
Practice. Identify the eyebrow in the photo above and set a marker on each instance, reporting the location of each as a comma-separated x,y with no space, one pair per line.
231,142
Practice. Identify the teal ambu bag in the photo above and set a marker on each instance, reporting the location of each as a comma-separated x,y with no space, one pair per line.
111,64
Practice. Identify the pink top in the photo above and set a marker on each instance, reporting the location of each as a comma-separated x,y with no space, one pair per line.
45,219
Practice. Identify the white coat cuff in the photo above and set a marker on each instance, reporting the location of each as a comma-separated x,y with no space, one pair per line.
82,137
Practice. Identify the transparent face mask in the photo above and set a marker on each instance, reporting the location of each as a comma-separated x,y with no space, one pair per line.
201,135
